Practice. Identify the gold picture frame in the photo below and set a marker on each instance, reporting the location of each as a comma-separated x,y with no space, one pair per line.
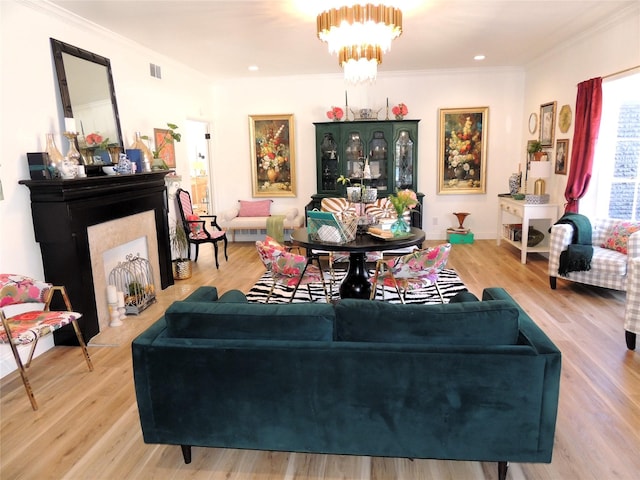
272,155
462,160
547,123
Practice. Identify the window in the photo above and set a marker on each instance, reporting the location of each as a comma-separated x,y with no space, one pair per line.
615,185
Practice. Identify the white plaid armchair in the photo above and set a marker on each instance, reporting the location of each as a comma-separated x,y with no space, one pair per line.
609,268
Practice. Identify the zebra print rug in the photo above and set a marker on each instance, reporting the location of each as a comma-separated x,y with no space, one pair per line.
448,283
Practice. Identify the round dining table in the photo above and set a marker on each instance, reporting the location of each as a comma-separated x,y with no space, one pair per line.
356,283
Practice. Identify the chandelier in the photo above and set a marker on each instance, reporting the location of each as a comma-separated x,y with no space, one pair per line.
359,35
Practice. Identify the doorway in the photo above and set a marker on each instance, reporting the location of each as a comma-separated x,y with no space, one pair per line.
197,139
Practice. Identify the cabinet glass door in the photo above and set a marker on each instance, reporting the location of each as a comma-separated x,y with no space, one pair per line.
329,162
354,153
378,160
403,168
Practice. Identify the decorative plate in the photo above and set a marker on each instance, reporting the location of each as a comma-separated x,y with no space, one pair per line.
533,123
565,118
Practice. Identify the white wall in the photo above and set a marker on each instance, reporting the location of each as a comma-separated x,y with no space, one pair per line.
612,47
308,98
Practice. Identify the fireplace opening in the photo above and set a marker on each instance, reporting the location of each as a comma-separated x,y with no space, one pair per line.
134,278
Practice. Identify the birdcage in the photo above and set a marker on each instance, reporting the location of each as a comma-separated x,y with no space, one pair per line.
134,278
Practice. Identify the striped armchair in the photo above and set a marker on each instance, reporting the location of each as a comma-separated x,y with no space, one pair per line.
609,268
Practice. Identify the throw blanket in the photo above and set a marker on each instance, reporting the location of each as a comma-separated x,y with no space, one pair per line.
577,257
275,228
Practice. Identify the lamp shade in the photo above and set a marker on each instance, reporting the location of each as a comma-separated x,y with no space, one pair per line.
540,169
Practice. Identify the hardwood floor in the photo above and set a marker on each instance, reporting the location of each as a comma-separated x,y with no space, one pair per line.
87,426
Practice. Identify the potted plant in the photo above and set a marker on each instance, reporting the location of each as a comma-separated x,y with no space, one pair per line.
181,265
170,137
535,147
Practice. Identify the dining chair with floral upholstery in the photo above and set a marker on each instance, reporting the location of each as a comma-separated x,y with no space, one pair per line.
418,269
26,317
289,269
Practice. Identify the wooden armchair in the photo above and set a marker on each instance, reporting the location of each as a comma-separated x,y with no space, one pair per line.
196,229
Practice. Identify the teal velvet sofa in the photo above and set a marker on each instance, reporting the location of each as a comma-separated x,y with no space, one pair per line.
468,380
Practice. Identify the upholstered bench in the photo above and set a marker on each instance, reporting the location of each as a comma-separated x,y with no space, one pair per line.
256,215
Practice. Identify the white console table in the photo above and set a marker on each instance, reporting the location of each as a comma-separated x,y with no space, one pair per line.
525,212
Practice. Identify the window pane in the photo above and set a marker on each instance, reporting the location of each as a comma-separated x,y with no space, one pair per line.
626,159
621,202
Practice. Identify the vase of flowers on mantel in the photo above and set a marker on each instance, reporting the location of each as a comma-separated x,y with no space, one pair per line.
335,114
169,138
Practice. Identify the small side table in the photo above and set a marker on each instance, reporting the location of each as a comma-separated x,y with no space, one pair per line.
525,212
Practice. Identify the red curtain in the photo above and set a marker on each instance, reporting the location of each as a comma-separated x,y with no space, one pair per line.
585,136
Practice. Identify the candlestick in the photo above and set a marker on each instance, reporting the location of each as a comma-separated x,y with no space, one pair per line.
114,314
69,125
346,107
112,294
120,299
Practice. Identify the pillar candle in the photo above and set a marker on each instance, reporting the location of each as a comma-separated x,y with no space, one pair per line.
120,296
112,295
69,124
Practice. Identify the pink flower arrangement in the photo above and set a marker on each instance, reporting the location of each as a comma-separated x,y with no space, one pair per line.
93,139
336,113
404,199
400,110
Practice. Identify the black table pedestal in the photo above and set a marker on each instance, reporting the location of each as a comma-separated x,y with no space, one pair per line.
356,283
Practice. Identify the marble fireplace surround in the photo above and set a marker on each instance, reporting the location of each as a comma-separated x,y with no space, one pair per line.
109,235
63,212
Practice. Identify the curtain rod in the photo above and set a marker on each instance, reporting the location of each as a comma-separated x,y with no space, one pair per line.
621,72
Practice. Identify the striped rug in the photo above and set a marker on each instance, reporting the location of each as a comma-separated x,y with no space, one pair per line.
448,282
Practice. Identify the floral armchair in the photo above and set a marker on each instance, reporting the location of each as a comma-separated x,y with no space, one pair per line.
615,264
414,270
26,317
288,269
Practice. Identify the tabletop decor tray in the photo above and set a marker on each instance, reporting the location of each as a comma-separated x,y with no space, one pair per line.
388,239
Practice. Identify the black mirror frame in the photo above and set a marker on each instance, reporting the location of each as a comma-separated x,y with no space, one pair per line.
58,48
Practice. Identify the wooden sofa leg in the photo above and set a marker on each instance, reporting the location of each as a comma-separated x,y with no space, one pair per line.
502,470
552,282
630,337
186,453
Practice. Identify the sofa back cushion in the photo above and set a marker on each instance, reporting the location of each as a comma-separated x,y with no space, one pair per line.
250,321
467,323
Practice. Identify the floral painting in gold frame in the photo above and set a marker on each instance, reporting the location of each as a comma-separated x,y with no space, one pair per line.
462,159
272,155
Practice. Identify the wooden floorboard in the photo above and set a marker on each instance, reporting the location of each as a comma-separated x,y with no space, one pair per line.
87,426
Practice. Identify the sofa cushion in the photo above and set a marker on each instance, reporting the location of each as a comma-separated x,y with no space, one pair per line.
250,321
465,323
258,208
617,237
464,296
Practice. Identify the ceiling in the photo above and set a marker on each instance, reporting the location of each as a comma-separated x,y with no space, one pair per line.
223,38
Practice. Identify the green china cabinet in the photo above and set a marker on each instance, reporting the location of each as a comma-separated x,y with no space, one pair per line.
390,147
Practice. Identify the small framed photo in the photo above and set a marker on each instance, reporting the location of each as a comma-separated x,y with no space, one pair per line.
462,160
272,155
562,156
547,123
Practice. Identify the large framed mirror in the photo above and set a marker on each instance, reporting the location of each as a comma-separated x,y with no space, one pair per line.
87,91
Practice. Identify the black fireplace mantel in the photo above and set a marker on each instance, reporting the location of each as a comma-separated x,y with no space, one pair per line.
63,210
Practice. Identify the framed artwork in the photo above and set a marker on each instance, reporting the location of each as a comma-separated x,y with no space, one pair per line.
168,150
272,155
562,156
547,123
462,158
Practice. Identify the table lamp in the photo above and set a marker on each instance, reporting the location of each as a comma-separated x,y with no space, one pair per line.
539,171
